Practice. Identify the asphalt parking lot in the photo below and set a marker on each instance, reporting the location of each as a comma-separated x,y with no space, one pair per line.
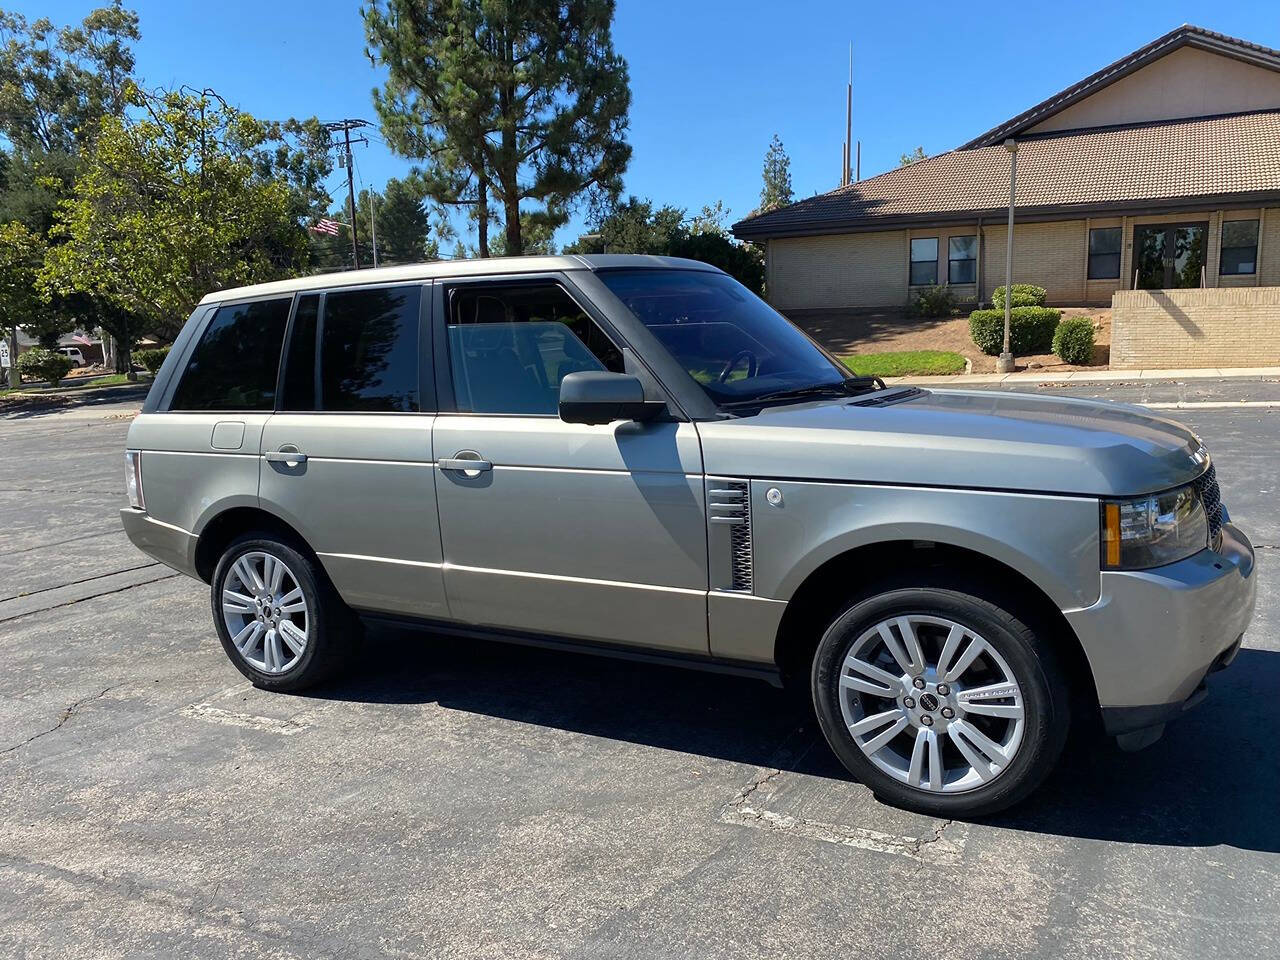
459,799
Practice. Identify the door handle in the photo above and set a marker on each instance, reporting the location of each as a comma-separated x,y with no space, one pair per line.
287,453
467,461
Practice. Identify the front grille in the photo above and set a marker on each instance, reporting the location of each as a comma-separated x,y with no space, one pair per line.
1207,490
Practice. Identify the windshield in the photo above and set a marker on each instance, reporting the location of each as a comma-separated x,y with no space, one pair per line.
736,346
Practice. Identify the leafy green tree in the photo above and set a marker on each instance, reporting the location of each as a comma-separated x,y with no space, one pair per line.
56,83
518,103
915,156
636,226
776,191
21,253
169,207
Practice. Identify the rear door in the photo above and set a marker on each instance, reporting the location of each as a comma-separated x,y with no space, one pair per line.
347,456
596,532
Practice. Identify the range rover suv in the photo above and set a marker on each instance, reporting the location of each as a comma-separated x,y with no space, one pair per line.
637,456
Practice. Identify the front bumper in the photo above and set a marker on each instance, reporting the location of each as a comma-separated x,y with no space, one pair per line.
1154,634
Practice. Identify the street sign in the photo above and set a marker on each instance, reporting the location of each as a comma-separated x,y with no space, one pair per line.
4,353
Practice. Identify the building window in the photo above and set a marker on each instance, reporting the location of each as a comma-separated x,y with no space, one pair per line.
924,261
1239,248
1104,253
962,260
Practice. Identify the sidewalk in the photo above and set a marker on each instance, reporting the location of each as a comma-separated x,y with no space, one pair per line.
1091,376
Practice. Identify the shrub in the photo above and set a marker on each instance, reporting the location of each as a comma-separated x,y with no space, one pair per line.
1030,329
1024,295
41,364
151,359
1073,340
934,302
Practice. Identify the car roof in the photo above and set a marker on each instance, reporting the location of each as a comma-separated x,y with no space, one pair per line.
450,269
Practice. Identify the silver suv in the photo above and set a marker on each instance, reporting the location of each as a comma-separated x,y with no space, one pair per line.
636,456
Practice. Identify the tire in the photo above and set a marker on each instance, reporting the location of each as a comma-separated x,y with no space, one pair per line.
1015,750
311,605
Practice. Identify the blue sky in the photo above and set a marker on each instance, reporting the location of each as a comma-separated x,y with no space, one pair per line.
711,81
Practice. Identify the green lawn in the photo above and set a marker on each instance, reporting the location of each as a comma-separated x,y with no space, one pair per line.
908,363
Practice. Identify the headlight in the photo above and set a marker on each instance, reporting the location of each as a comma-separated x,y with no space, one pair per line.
1151,531
133,478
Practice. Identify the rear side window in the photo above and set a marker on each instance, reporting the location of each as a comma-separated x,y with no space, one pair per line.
234,365
355,351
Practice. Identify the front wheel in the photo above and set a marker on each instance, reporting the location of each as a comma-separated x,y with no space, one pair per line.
280,622
940,701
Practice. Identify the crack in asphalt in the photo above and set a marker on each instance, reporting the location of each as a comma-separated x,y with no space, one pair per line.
72,583
92,596
59,543
66,715
751,788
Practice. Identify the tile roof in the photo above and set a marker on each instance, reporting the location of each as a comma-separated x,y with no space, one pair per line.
1153,164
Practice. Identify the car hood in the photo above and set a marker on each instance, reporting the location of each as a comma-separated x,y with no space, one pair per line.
961,438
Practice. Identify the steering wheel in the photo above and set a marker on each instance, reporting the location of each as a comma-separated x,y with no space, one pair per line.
752,365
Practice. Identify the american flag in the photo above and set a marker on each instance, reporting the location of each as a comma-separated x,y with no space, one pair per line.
329,227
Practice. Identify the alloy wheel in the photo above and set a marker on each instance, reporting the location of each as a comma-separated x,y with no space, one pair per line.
931,703
265,612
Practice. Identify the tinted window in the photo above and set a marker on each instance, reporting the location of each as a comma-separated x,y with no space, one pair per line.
367,345
234,365
1239,247
962,263
924,261
300,359
510,346
1104,253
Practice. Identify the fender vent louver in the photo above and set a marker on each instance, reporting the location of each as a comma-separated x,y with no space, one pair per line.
729,505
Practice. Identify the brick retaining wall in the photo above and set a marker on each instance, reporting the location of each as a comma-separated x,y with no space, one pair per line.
1223,327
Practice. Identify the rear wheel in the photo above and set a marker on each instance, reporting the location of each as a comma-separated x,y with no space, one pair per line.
280,622
940,701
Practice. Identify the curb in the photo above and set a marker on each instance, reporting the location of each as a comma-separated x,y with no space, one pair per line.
1099,376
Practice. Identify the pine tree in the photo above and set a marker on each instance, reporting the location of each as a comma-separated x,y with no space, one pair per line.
776,191
519,103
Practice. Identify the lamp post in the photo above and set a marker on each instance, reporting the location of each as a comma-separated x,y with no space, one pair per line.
1004,363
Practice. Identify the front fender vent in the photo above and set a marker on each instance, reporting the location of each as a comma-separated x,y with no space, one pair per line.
729,509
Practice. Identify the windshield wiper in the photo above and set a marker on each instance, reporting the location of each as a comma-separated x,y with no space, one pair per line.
850,386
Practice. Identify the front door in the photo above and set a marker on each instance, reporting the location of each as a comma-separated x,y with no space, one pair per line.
595,532
1168,256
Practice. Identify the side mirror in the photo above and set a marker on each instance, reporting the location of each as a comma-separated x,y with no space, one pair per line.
597,397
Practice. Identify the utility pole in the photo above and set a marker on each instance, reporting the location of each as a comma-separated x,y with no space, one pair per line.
848,122
346,126
1004,362
373,226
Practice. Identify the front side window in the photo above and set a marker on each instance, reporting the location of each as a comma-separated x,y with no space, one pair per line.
234,365
1104,253
1239,248
924,261
355,351
510,345
731,342
962,260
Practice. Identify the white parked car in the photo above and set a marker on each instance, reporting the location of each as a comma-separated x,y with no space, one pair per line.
74,355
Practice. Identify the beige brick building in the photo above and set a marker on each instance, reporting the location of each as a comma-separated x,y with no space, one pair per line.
1160,171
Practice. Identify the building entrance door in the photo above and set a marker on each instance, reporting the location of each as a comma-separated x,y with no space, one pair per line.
1169,255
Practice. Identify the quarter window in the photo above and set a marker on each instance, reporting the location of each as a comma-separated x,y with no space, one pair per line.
924,261
510,346
962,260
1104,253
1239,248
234,366
355,352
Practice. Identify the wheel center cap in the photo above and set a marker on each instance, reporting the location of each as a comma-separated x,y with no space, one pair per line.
929,702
